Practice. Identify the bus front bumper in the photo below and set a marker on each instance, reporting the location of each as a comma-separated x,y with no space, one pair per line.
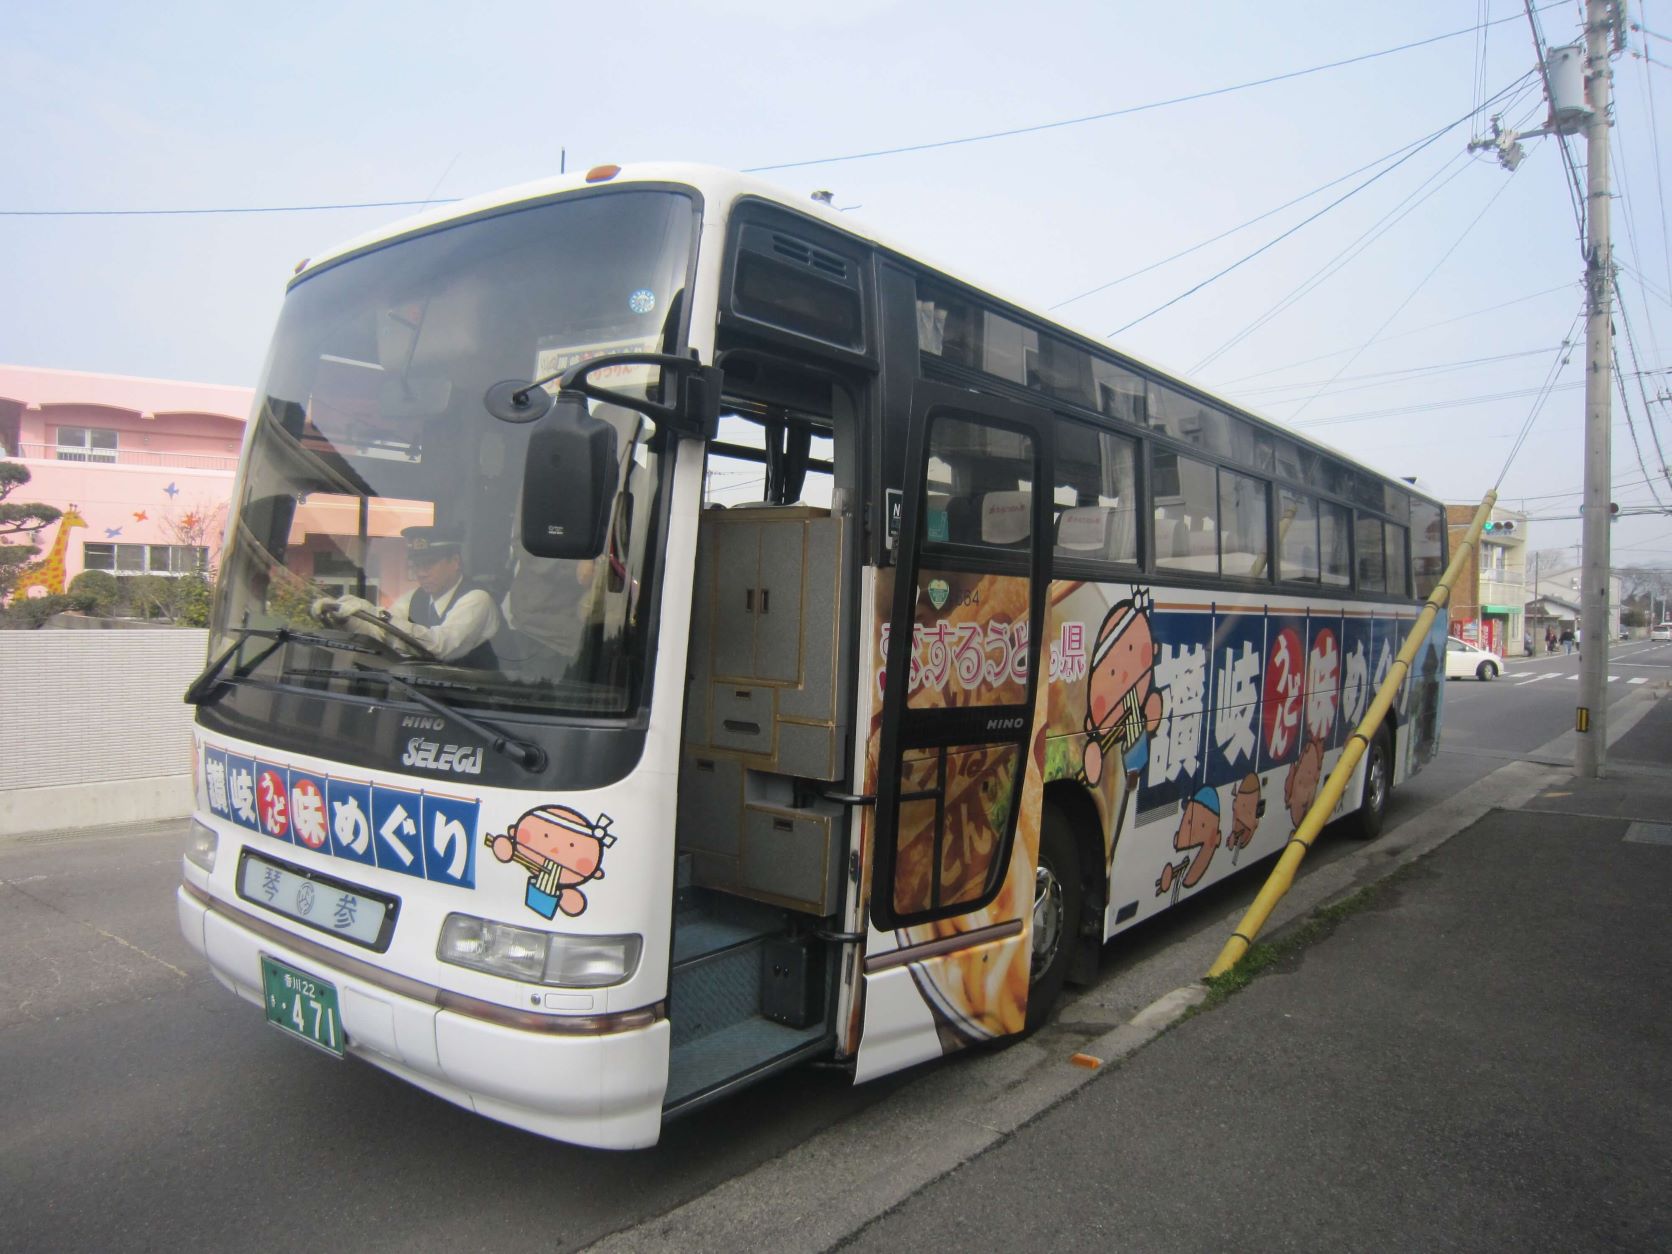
599,1087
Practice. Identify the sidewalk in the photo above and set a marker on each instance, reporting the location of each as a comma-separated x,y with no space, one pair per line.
1482,1059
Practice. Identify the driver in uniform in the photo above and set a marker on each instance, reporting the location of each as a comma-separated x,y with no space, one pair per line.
446,613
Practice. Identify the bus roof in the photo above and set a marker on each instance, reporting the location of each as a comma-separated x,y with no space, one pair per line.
717,185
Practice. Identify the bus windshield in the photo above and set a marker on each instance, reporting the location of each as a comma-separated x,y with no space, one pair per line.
377,489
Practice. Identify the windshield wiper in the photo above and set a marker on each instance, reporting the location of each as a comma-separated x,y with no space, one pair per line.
204,688
531,757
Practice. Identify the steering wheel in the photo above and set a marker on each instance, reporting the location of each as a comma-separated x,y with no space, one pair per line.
423,651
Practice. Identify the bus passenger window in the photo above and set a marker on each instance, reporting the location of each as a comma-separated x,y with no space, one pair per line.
1095,494
1335,548
1428,540
1297,538
1243,508
1398,575
1372,575
1186,514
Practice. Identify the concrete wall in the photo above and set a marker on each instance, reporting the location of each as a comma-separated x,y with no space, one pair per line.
95,731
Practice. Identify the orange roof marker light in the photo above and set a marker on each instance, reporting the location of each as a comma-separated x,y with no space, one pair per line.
602,173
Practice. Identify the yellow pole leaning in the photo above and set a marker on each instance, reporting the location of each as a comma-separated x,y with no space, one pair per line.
1283,875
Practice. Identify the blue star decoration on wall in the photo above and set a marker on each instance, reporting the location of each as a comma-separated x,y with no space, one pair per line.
112,532
172,491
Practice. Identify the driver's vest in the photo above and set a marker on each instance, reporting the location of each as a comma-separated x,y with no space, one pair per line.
422,612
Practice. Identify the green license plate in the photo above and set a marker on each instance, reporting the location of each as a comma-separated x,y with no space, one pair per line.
303,1005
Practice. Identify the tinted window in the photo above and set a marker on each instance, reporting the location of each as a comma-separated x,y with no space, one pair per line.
1335,544
1008,349
948,326
1062,371
1186,513
1119,393
1187,419
1428,541
1243,506
1297,537
1095,495
1372,568
784,294
1398,578
978,481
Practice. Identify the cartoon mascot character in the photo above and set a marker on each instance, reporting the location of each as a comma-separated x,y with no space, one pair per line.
562,849
1123,709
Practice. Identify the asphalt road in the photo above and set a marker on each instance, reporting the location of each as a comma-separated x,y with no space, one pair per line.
146,1107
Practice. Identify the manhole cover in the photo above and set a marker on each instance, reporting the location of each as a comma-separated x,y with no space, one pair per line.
1650,833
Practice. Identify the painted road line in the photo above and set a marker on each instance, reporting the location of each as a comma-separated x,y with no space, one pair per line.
1641,679
1536,679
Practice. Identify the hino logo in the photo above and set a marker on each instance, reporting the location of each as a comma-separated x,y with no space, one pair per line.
460,759
1005,724
422,722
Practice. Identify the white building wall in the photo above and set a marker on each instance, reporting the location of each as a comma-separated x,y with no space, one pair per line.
95,730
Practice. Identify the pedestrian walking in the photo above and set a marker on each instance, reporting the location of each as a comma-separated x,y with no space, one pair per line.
1549,639
1567,640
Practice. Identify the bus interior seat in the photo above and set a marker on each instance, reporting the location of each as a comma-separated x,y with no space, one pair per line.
1006,517
961,520
1085,531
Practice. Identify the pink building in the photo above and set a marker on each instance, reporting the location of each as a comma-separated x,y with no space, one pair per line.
142,468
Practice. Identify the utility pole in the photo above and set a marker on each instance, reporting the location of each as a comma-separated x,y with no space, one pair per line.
1591,718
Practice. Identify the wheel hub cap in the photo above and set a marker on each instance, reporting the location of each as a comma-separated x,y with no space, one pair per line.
1047,918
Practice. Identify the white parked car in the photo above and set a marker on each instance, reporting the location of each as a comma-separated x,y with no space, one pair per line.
1464,660
1663,632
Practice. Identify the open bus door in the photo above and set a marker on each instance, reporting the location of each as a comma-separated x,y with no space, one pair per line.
947,954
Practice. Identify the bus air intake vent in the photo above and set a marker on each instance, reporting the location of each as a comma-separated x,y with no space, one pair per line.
794,249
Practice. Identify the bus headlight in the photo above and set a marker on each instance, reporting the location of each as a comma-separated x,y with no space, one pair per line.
592,961
536,957
201,846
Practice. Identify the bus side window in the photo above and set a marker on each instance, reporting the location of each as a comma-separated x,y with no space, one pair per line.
1095,494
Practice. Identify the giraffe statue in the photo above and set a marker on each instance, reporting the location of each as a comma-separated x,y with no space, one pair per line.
48,574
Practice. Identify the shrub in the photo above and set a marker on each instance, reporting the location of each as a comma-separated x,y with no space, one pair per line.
27,613
95,592
193,597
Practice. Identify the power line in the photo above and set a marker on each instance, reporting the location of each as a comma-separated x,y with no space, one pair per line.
162,213
1387,378
1648,413
1557,365
1444,322
1421,283
1576,195
1131,109
1288,204
1306,221
1429,406
1624,486
1343,258
1660,185
790,165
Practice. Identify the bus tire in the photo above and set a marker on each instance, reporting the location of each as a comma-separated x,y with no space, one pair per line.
1058,895
1368,819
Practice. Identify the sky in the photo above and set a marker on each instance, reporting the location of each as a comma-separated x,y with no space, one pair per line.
1367,328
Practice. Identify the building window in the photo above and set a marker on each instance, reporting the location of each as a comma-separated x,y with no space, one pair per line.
146,559
86,444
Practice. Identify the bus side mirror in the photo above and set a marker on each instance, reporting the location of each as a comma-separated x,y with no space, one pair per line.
569,480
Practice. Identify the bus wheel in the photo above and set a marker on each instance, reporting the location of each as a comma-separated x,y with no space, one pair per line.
1057,894
1378,783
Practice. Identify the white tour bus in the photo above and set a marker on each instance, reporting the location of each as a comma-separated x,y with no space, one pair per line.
570,744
